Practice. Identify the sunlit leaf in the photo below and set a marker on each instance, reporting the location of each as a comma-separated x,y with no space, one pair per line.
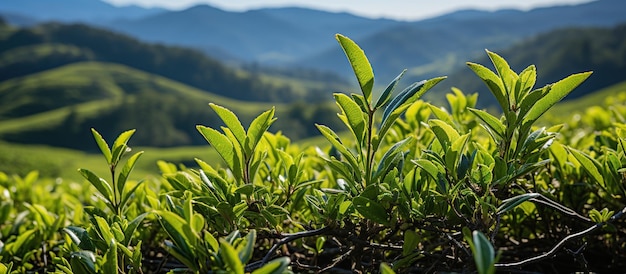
360,65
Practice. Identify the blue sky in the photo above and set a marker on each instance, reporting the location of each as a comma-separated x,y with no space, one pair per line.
395,9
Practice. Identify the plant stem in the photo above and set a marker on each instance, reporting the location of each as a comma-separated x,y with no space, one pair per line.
370,153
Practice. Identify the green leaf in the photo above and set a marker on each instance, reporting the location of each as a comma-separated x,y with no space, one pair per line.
231,121
80,237
371,210
100,184
334,139
224,147
354,116
245,254
102,144
128,167
276,266
360,65
230,257
386,95
132,227
445,133
22,243
590,165
411,240
484,254
389,157
558,91
110,266
258,127
513,202
174,226
490,121
211,241
526,81
493,82
401,98
104,229
83,262
509,77
119,146
430,168
386,269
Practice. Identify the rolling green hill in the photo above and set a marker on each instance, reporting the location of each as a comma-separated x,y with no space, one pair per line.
24,51
58,106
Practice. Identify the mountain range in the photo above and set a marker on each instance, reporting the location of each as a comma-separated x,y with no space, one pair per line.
300,37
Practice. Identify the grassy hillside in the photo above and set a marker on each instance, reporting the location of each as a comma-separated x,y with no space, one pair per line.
24,51
58,107
56,162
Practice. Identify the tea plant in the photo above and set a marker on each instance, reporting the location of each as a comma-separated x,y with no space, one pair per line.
406,186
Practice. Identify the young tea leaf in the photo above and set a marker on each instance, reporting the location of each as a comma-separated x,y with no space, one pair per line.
102,144
360,65
557,92
231,121
386,95
354,116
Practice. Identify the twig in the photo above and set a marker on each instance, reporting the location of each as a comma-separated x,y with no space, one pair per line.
559,207
292,237
562,242
338,260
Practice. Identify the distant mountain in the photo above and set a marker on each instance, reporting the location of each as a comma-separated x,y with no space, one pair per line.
269,36
72,10
558,54
300,37
439,45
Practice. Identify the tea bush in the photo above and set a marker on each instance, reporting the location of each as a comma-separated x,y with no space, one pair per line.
406,187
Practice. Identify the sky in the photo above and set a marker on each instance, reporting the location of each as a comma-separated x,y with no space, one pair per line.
392,9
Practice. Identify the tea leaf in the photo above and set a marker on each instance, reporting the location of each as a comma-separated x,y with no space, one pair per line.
119,146
360,65
128,167
110,265
484,254
102,144
231,121
230,257
224,147
493,82
411,240
371,210
276,266
590,165
490,121
557,92
354,116
511,203
386,95
83,262
100,184
258,127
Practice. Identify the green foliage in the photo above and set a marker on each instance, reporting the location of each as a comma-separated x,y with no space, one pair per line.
406,187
